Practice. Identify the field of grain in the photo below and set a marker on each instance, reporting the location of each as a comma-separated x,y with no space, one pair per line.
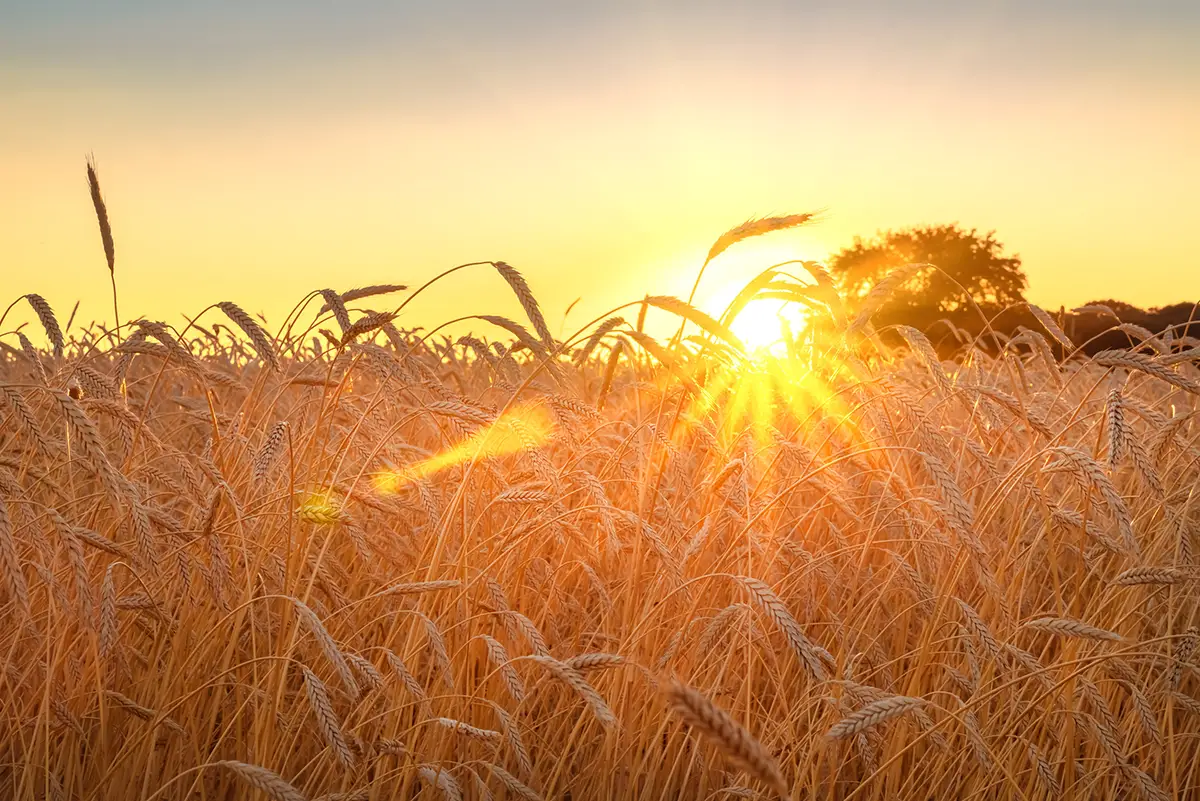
340,559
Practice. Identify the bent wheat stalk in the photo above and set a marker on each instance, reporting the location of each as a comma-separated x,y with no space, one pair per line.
1068,627
270,783
872,715
737,744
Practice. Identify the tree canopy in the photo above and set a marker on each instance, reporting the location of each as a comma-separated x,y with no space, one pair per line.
964,257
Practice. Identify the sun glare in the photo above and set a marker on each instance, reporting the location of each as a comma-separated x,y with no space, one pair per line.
764,325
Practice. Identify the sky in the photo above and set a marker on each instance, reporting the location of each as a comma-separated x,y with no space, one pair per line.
255,151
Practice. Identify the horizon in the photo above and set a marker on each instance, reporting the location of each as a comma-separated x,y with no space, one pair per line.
254,154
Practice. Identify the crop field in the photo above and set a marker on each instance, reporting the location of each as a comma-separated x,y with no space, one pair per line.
336,558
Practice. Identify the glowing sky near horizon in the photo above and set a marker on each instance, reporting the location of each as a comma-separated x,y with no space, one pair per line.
256,151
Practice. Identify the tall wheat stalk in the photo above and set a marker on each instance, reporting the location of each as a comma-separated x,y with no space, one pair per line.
106,237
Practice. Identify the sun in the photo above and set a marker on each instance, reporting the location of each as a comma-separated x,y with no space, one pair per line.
765,325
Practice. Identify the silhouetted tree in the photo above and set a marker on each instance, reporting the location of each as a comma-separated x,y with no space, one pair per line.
973,260
1126,312
1096,329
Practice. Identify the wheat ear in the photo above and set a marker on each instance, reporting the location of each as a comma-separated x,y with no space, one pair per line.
327,722
1151,574
872,715
14,579
106,237
513,784
1069,627
498,656
328,646
272,446
366,292
770,603
259,338
49,322
752,228
528,302
438,778
270,783
714,723
573,679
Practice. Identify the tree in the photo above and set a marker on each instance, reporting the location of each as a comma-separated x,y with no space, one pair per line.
963,257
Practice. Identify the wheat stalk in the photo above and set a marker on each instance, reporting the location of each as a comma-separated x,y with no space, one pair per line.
766,600
498,656
512,736
1089,475
14,579
49,322
365,292
372,321
333,302
1151,574
371,678
418,587
881,292
1051,326
530,631
108,614
528,302
1140,362
470,732
270,451
270,783
26,419
752,228
1044,771
585,663
328,647
598,333
737,744
327,721
512,783
142,712
872,715
409,681
1183,652
259,338
439,779
1068,627
572,678
106,237
1117,433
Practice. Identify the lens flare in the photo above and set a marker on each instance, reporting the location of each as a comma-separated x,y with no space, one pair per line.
519,429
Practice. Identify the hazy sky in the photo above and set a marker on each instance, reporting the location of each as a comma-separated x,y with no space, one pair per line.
252,151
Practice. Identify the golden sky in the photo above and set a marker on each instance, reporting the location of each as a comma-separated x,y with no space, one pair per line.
253,152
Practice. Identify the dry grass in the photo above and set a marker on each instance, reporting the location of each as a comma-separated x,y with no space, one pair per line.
365,564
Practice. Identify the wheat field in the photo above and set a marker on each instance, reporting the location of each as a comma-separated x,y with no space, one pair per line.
340,559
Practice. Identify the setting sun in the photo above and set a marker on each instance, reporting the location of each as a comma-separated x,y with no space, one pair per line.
767,324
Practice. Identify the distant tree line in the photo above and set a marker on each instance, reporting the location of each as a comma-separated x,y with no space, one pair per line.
979,292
